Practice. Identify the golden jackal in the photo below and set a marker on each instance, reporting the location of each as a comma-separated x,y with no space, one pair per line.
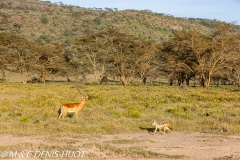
160,125
72,107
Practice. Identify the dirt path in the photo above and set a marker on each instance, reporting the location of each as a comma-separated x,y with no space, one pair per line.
198,146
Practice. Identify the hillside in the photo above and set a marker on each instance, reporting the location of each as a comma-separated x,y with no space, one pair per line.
45,21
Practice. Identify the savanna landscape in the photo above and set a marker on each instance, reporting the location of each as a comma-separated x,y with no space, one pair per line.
134,67
116,121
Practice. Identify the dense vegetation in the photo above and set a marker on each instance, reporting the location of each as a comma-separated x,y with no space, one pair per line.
50,40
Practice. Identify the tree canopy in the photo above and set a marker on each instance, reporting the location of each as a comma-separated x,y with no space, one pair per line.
188,55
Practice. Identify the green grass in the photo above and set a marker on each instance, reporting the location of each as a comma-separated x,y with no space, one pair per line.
32,109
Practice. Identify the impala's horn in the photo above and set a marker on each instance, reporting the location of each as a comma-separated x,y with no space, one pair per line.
86,93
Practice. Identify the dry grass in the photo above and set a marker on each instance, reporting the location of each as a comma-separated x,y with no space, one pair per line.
108,149
32,109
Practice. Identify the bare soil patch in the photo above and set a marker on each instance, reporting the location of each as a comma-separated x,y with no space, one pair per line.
175,145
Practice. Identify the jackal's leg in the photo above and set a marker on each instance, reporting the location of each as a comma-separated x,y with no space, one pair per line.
160,129
166,129
155,130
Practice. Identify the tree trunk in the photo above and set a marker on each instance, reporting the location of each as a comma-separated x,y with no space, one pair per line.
95,75
42,77
144,80
123,80
206,83
187,79
68,79
24,77
205,80
179,82
24,80
3,74
76,78
171,82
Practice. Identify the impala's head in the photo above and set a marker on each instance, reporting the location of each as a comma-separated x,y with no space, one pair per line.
84,97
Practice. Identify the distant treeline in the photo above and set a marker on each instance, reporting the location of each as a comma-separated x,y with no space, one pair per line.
188,55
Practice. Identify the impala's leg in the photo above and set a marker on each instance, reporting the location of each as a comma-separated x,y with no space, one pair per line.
76,114
61,112
64,113
60,115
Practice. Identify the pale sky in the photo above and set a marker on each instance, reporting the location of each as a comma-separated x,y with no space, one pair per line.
223,10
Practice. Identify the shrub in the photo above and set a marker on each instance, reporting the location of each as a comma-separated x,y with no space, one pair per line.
25,119
97,21
45,38
44,19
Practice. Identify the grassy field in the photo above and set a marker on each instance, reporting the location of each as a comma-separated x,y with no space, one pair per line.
32,109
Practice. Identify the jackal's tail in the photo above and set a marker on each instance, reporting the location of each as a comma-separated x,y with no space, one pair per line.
169,127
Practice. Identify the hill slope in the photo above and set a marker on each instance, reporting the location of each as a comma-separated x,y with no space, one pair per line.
45,21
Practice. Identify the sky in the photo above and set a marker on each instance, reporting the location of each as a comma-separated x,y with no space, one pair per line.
222,10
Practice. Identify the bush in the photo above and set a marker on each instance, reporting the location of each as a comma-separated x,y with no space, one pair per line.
44,19
44,38
97,21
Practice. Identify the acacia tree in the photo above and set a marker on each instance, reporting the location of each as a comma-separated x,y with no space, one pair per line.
205,55
175,59
117,54
235,61
27,57
90,48
76,65
23,62
226,44
18,55
221,52
236,74
125,55
3,62
47,59
3,56
146,62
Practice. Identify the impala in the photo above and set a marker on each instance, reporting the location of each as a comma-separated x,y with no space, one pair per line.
72,107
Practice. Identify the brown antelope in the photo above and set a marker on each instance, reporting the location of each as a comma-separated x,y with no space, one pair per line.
72,107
